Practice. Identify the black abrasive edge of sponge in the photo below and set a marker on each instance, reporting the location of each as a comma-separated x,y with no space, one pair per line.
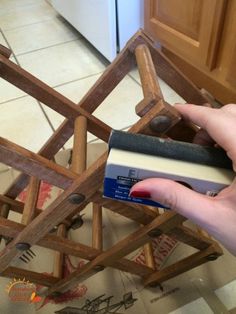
155,146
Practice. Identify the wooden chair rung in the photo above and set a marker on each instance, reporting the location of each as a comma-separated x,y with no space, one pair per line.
148,253
151,89
79,155
78,165
5,210
164,223
35,165
190,237
31,201
148,247
183,265
97,239
37,278
58,256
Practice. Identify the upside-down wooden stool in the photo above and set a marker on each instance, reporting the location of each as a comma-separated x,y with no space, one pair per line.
82,186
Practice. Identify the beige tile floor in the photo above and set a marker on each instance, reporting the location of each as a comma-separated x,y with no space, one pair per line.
47,46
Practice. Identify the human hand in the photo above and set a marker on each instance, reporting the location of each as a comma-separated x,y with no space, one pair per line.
216,214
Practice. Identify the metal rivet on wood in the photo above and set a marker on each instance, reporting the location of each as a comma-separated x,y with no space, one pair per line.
99,268
212,257
77,223
155,233
160,124
76,198
23,246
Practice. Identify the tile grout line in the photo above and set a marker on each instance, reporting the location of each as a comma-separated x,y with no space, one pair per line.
23,6
9,46
136,81
25,25
18,63
55,86
13,99
46,116
51,46
79,79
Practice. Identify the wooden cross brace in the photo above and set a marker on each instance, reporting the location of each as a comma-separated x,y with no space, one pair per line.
82,186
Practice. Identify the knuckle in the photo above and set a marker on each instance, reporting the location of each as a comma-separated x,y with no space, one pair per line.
230,108
171,200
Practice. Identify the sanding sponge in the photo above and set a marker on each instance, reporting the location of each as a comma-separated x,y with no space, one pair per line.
135,157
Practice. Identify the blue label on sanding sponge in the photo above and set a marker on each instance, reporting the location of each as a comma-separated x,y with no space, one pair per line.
119,189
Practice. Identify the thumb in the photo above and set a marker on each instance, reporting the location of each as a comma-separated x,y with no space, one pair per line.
173,195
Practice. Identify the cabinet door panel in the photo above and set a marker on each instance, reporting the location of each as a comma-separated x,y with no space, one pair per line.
189,28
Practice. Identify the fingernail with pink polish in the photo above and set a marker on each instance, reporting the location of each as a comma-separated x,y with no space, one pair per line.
140,194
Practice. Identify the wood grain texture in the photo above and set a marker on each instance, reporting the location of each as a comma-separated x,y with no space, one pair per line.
5,209
147,72
33,277
79,154
18,207
15,205
190,29
113,74
97,238
58,262
138,213
50,97
6,52
31,201
160,108
182,266
86,184
111,77
144,215
163,222
49,149
190,237
78,166
35,165
12,229
148,253
168,72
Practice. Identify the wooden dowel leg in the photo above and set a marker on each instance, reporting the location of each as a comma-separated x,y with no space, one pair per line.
78,166
29,211
148,253
80,145
5,209
31,201
97,239
59,257
148,248
147,72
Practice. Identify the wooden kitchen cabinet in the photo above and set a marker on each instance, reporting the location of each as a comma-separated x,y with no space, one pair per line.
199,36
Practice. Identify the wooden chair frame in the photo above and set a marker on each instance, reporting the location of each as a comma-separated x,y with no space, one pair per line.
82,186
